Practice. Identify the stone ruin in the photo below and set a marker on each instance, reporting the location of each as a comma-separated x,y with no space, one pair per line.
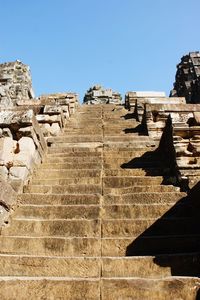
99,95
15,83
104,198
187,82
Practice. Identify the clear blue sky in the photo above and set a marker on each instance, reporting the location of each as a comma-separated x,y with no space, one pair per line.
123,44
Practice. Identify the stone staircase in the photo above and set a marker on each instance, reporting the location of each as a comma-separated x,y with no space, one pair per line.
96,222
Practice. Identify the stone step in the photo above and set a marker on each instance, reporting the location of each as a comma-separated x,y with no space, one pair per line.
132,144
59,199
150,245
110,152
132,164
66,181
64,189
163,226
45,212
56,147
128,211
75,139
37,288
79,267
133,172
62,174
72,165
150,289
59,228
125,138
74,159
151,266
75,154
127,181
50,246
145,198
82,131
76,149
142,189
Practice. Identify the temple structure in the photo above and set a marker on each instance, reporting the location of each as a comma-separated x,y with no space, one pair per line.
98,201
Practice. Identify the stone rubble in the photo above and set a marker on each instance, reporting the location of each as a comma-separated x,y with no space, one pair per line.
99,95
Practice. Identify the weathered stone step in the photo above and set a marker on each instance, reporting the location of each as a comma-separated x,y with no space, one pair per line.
59,228
37,288
124,152
73,155
145,198
151,266
140,163
14,265
133,172
156,227
89,212
50,246
150,289
141,188
66,181
62,174
150,245
59,199
64,189
73,147
78,150
74,159
128,211
132,144
56,147
125,138
75,139
72,165
125,181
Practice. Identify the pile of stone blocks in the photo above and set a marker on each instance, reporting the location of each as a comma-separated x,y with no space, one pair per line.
15,83
22,145
187,81
99,95
68,101
27,122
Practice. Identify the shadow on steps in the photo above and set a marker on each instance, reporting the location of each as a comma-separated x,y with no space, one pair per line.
150,162
174,239
138,129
